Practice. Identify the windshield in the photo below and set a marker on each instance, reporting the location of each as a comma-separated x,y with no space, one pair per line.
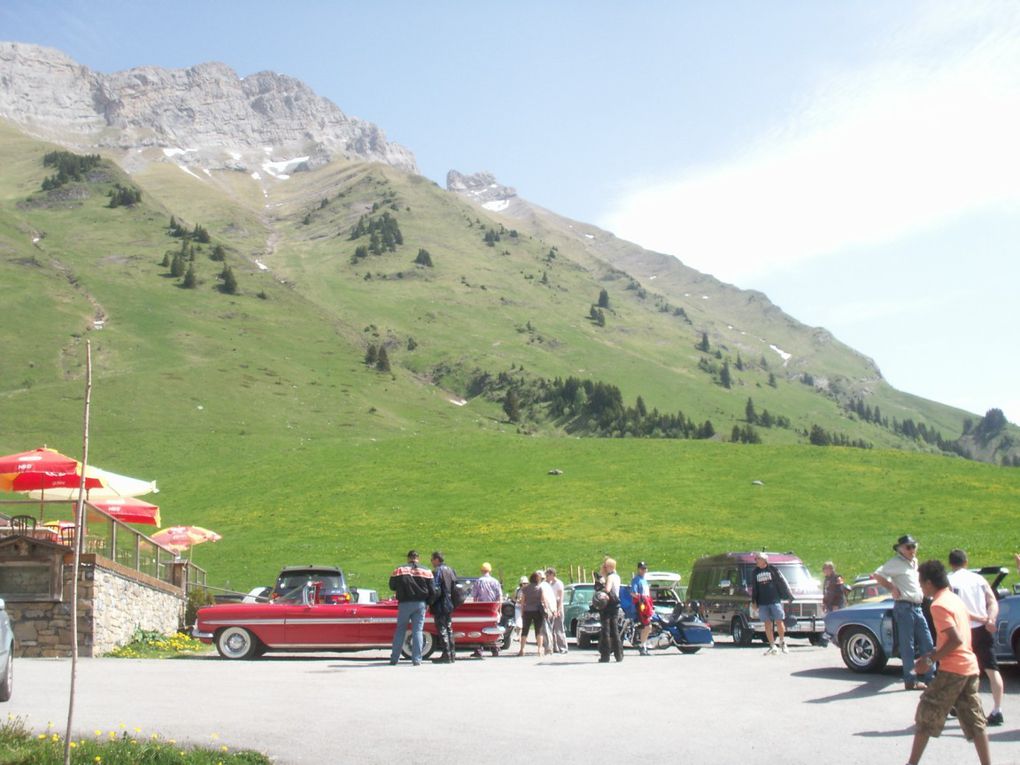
289,584
797,576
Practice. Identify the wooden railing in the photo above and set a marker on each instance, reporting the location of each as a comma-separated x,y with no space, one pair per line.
107,537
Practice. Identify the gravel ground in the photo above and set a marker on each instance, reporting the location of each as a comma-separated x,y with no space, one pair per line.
724,705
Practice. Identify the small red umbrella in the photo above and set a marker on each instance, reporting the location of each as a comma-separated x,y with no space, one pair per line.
179,538
129,510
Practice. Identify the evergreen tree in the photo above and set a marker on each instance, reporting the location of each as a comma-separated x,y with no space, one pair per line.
724,375
218,253
749,414
819,437
229,281
382,361
190,280
371,355
603,299
166,260
740,363
424,258
703,345
512,406
640,407
177,266
772,381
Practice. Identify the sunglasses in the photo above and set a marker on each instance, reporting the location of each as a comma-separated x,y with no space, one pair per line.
911,547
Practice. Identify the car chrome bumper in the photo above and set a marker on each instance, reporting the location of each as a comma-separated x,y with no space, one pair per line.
205,637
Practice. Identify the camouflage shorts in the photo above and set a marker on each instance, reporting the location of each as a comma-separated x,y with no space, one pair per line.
946,691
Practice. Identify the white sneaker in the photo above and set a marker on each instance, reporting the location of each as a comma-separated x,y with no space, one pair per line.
772,651
782,647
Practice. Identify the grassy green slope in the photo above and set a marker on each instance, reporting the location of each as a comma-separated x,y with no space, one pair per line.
260,420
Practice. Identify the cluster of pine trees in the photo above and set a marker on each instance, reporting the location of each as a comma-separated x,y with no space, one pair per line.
908,428
124,196
69,167
383,232
181,263
378,357
819,436
586,407
764,419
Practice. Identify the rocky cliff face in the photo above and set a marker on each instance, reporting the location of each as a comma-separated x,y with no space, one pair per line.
205,116
482,189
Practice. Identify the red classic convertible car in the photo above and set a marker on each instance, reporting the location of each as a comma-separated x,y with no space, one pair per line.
305,623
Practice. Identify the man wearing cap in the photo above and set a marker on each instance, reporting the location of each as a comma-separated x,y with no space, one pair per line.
414,587
768,591
641,595
899,576
486,589
983,607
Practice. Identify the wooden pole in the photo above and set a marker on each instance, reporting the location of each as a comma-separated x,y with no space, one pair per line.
79,514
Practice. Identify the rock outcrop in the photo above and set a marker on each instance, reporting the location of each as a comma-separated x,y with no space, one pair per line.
482,189
205,116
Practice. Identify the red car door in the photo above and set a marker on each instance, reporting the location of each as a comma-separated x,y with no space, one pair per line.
325,626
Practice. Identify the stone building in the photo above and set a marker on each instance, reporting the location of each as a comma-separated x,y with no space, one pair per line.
114,601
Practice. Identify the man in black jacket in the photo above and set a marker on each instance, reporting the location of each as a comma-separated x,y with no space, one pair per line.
768,592
415,588
442,608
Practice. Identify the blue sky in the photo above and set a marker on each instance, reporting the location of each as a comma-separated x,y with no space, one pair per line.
856,161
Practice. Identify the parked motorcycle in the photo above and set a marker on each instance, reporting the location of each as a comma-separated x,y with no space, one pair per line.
510,623
683,629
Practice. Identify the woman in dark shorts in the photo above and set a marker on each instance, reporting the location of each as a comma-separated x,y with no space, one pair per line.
531,607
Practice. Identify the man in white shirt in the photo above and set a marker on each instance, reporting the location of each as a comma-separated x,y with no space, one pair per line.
899,576
983,608
559,635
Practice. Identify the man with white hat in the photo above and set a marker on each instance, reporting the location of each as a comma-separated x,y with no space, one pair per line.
899,576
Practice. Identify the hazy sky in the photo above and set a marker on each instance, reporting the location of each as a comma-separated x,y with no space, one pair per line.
856,161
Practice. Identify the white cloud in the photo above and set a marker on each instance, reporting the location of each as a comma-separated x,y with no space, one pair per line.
926,134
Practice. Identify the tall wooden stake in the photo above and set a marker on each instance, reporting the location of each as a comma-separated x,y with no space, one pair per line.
79,526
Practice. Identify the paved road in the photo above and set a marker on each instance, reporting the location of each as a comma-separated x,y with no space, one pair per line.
724,705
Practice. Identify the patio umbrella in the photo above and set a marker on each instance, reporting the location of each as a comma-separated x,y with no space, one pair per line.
129,510
100,484
179,538
41,460
40,469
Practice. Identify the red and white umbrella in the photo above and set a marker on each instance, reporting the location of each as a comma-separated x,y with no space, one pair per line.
179,538
129,510
41,470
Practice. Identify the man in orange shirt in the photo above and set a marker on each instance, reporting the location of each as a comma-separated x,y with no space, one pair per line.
956,683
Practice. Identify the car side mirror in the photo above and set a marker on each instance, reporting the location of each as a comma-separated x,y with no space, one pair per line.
3,604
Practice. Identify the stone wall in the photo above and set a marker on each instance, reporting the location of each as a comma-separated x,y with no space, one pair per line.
113,602
122,605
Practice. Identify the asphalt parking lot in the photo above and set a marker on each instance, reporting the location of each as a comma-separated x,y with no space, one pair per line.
722,705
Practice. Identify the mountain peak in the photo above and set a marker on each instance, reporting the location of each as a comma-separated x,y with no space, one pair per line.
205,115
482,189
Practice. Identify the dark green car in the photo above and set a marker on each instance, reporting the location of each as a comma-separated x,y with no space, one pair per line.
576,601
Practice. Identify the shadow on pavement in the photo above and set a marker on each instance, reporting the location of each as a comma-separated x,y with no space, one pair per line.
859,685
907,732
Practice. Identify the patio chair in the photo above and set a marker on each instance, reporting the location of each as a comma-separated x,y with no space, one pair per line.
67,536
23,523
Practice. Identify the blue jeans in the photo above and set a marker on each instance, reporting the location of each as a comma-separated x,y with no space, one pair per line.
913,638
412,611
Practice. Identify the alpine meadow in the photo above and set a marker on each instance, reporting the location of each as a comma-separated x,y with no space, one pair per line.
333,360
